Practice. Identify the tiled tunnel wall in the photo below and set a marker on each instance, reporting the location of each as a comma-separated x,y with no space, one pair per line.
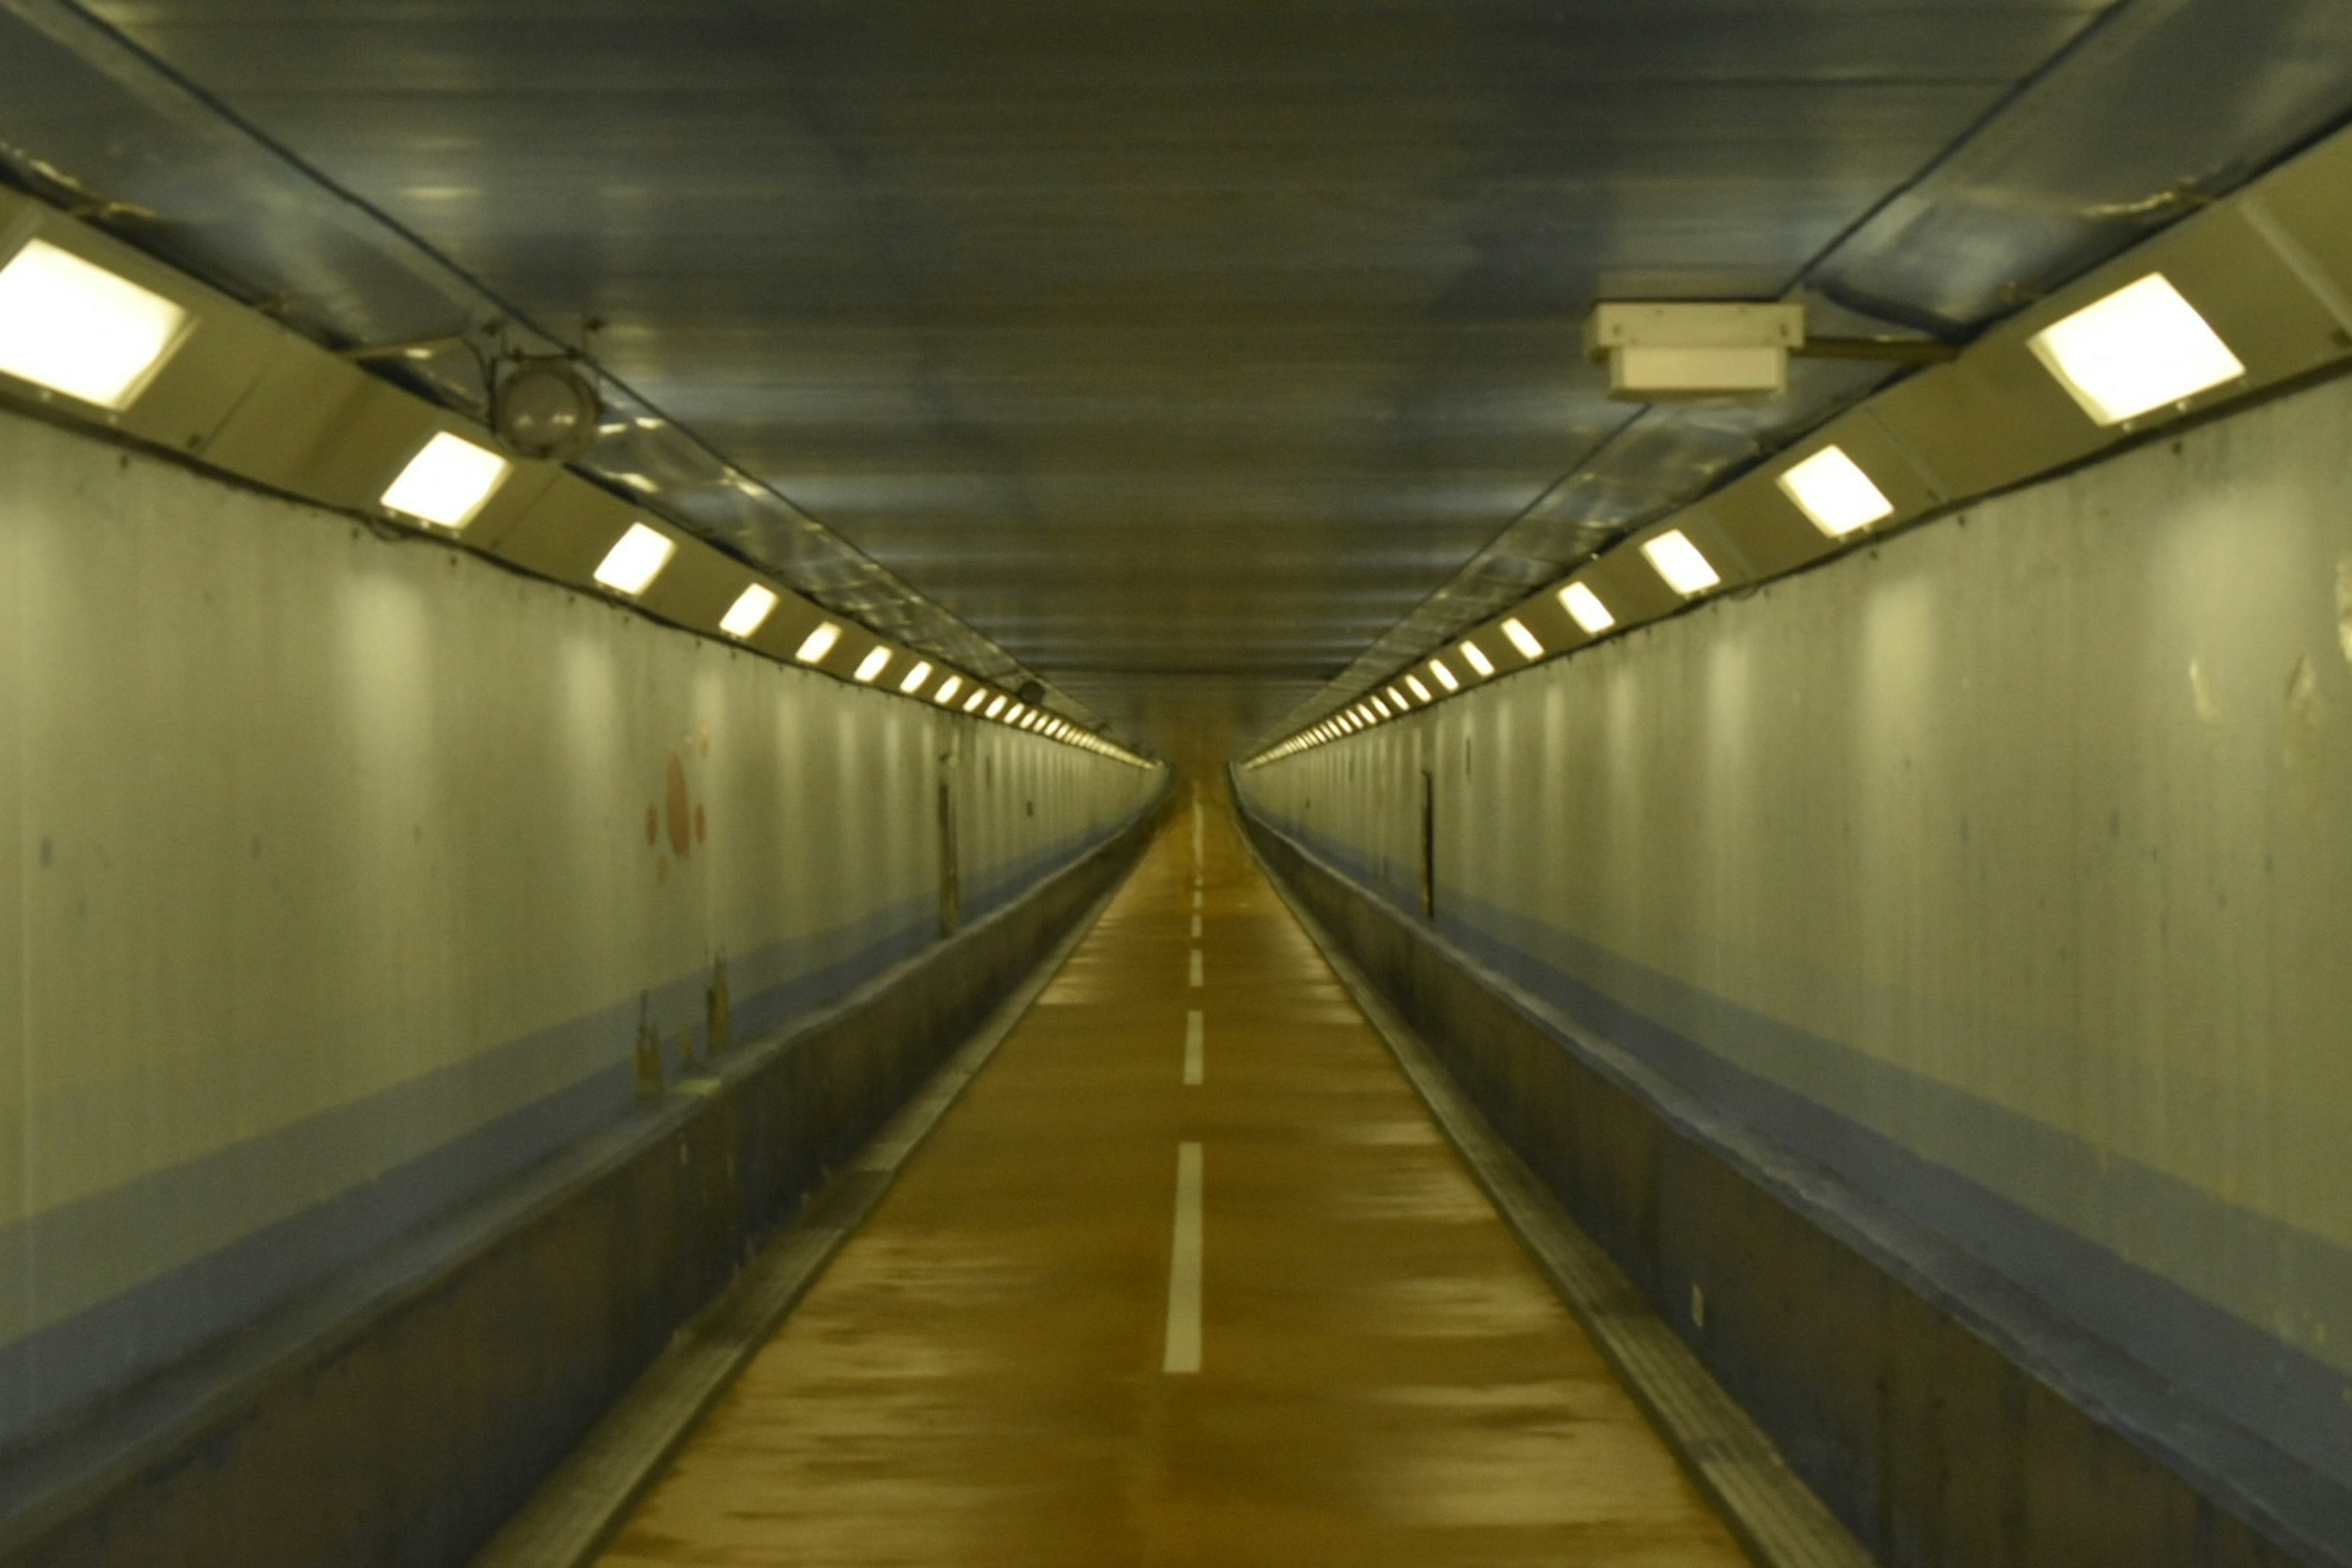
1998,877
350,866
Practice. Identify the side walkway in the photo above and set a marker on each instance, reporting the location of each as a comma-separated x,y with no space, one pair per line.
1188,1277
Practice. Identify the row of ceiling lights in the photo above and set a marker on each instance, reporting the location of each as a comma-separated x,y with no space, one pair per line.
2139,350
449,482
74,327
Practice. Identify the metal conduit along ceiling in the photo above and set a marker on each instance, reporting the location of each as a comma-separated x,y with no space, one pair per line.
1196,352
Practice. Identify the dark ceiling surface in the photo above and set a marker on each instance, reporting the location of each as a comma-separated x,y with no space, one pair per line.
1199,353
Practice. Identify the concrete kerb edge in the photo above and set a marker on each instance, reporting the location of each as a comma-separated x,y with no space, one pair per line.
1777,1519
571,1516
327,1323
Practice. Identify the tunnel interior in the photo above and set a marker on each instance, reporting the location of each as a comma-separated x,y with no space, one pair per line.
1215,783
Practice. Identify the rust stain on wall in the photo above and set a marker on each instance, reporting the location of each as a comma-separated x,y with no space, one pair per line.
680,812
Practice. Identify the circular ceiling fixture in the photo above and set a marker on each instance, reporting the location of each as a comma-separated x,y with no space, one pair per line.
545,408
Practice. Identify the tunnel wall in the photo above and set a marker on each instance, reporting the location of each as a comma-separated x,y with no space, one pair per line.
1989,883
351,865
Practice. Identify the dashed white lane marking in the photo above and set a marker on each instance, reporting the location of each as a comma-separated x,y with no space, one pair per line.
1195,1047
1196,928
1196,968
1183,1353
1196,898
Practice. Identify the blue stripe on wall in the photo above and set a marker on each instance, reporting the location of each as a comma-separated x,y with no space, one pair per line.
47,1373
2237,1369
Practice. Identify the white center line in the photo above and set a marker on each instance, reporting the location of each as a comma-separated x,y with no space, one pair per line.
1183,1353
1196,968
1195,1045
1196,928
1196,898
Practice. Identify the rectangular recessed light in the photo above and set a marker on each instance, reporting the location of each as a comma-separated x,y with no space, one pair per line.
1413,684
1476,658
1396,700
1379,707
1585,608
1446,677
636,559
979,695
448,481
1678,560
997,707
1830,488
1523,639
948,689
818,643
750,610
872,665
2141,347
76,328
914,680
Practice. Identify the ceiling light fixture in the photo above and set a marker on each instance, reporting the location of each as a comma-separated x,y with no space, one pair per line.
1830,488
818,643
979,695
636,559
1678,560
1413,684
913,680
448,481
2139,348
872,665
997,707
748,612
73,327
1446,677
1476,658
1585,608
948,689
1530,647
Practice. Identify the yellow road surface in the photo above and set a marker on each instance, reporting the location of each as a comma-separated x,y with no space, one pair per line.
980,1377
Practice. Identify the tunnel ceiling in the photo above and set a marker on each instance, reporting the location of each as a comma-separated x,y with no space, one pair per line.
1194,352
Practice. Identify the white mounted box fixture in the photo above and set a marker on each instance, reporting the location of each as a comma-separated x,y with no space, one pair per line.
875,660
2138,349
1530,647
751,609
1672,351
912,681
946,694
448,482
71,326
1830,488
636,559
1476,658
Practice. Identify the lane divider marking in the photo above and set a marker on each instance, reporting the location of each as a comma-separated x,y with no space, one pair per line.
1196,898
1195,1047
1196,928
1196,968
1183,1352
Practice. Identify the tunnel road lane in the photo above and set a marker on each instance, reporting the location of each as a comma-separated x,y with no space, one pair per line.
1003,1368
